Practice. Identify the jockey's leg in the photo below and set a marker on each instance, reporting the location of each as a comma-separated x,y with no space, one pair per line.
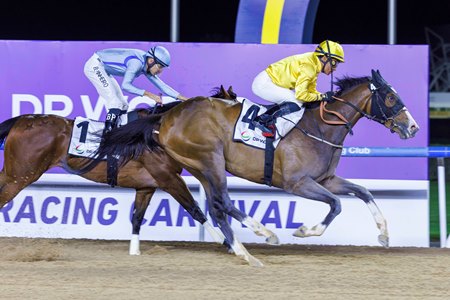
112,161
267,119
111,119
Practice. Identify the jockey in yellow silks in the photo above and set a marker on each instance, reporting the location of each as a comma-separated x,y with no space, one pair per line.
294,78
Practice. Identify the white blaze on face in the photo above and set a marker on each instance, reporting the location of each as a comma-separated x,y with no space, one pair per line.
413,127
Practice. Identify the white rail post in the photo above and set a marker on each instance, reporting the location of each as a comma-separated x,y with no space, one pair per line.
442,200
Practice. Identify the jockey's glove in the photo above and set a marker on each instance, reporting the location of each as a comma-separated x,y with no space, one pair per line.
328,96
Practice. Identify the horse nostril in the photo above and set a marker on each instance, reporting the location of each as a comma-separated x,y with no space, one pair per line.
413,129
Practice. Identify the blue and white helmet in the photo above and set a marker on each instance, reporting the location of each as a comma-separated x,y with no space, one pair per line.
161,55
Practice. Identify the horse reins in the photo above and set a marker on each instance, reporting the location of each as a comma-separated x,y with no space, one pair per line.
343,121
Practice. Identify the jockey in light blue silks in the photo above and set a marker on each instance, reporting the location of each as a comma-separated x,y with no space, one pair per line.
129,64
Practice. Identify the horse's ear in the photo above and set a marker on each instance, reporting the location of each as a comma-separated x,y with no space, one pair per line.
232,93
373,73
376,76
224,92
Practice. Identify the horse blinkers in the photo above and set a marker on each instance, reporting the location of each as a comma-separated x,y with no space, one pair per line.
386,108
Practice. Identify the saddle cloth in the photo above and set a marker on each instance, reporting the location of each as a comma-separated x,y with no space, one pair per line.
247,133
87,134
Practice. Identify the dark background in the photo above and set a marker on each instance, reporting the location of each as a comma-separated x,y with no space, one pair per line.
346,21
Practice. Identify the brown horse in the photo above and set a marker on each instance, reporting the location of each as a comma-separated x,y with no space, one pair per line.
198,134
36,143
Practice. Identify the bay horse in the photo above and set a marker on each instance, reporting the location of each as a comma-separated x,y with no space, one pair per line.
34,143
198,134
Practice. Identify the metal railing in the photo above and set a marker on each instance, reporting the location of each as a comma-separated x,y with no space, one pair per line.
431,152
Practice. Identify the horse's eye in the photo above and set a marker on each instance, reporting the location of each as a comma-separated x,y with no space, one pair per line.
391,99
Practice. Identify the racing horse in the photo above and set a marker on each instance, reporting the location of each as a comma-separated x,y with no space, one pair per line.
34,143
199,135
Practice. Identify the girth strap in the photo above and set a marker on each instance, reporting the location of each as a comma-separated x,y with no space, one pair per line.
268,160
112,170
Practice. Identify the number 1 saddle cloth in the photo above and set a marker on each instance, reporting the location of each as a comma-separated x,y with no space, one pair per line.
87,134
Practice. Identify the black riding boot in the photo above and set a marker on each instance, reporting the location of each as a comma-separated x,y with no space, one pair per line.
112,168
266,121
111,120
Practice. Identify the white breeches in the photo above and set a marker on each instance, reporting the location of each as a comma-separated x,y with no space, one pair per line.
106,86
264,87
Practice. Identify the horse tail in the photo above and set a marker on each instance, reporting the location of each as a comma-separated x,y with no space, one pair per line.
5,128
128,141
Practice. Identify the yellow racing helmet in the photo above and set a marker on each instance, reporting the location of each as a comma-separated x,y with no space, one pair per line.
330,49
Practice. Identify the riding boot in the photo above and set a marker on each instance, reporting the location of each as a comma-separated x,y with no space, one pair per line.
111,120
112,161
266,121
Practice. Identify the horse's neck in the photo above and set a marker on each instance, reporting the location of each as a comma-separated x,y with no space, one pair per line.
336,133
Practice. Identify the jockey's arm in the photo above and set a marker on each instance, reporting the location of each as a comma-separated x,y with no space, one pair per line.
129,76
305,88
152,96
163,87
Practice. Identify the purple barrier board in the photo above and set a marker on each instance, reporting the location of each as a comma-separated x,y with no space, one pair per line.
47,77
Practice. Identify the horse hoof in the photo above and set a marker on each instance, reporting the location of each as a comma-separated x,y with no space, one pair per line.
254,262
300,232
135,252
383,240
273,240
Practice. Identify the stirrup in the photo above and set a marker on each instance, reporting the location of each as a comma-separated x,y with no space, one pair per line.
269,131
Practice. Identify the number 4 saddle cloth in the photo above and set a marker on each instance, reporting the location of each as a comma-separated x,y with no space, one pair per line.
246,132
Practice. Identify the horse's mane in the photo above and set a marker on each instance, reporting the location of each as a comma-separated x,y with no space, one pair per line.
216,92
343,84
346,83
158,109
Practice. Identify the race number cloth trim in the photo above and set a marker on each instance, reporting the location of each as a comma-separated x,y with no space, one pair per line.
247,133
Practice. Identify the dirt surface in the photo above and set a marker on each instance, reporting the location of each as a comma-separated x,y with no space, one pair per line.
90,269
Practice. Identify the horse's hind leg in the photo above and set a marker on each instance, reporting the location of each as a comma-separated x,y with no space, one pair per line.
341,186
254,225
10,186
141,202
214,183
306,187
177,188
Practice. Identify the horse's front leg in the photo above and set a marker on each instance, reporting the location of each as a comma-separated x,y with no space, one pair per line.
341,186
306,187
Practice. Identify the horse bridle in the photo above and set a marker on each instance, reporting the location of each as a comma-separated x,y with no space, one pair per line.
377,112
